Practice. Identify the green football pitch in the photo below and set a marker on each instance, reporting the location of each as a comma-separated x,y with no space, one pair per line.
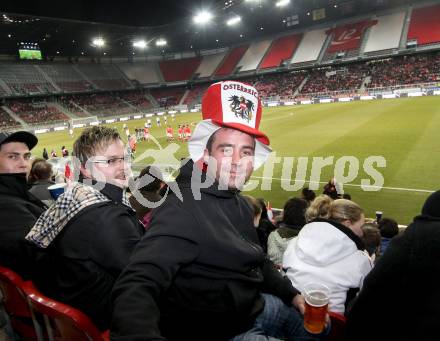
403,133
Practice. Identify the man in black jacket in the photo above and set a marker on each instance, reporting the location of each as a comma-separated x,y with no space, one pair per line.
400,298
199,272
89,233
19,209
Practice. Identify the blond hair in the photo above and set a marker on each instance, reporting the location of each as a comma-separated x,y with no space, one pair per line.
343,209
256,206
93,139
319,208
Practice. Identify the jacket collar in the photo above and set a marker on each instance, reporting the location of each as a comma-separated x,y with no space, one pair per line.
186,173
347,231
15,184
113,192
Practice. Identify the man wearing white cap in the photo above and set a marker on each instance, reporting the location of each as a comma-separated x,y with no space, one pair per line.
199,272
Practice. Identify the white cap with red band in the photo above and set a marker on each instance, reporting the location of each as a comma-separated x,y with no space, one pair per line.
234,105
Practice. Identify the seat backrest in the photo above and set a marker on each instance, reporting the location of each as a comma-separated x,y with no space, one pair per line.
63,321
337,333
14,298
14,301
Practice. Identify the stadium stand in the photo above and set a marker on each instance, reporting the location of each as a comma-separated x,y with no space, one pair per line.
33,112
281,50
3,89
66,78
168,97
348,78
405,70
386,33
179,69
425,25
209,64
113,87
6,120
69,105
25,79
137,99
279,85
346,39
195,94
253,55
310,47
230,61
104,76
102,104
143,73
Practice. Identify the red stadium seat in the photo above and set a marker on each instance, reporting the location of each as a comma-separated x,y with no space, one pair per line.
63,322
14,300
338,327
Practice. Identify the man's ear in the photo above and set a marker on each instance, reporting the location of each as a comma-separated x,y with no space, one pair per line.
206,155
347,223
85,172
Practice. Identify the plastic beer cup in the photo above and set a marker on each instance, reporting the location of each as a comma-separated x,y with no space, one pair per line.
378,216
316,296
56,190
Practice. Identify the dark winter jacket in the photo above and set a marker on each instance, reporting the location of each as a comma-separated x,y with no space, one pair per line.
82,263
400,299
198,272
19,210
40,191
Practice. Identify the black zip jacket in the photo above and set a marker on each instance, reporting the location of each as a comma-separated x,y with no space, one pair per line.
198,273
82,263
19,210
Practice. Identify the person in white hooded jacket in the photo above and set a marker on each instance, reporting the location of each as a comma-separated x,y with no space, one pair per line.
331,252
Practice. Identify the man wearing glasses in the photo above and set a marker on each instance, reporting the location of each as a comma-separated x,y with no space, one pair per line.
88,235
19,209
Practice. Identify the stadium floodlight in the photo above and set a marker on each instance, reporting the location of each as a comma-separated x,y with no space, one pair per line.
202,17
141,44
233,21
99,42
161,42
282,3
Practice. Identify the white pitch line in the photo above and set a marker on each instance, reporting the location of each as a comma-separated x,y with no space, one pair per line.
355,185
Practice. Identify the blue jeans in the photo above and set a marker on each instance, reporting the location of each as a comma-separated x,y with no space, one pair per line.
277,321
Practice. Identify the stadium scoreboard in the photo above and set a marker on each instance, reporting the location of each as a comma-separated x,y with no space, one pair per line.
29,51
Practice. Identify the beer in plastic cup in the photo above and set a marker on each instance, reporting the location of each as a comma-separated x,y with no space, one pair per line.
378,216
316,296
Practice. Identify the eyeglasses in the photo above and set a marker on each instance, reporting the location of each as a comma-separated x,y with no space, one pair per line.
113,161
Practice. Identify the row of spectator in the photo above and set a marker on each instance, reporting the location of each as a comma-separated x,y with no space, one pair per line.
34,112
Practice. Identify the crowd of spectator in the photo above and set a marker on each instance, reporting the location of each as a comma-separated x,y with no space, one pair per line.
34,112
6,120
334,81
102,104
168,97
411,69
331,79
137,98
195,93
281,85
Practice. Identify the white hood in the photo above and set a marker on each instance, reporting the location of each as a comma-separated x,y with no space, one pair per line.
324,254
331,246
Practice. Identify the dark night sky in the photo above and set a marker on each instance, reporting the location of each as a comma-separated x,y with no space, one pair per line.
128,12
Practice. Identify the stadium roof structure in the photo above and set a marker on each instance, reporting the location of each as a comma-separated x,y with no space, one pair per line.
67,28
